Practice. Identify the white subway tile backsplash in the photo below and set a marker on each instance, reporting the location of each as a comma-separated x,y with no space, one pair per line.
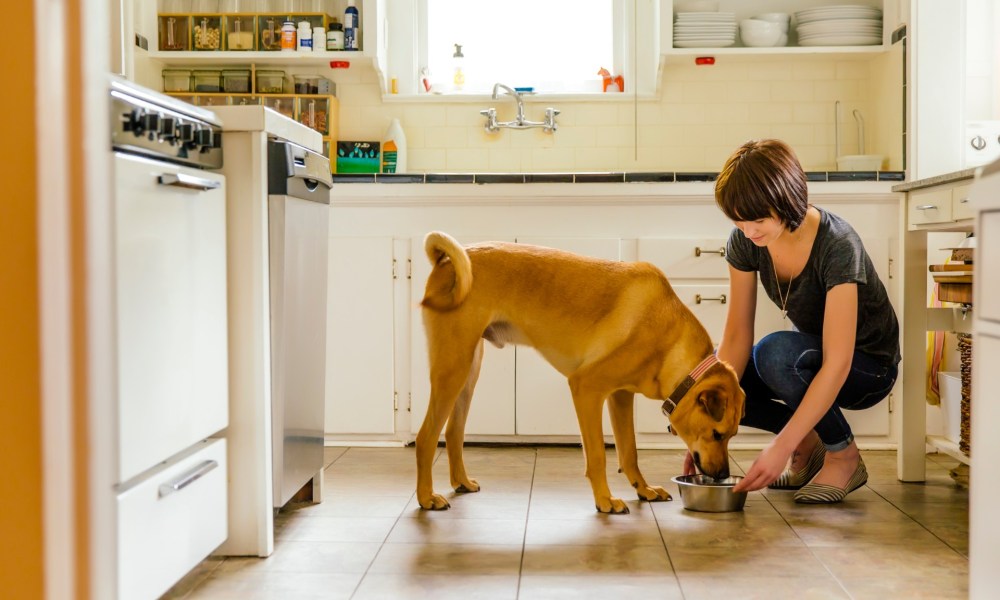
701,115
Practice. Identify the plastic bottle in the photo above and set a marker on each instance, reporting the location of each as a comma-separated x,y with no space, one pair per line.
319,39
288,41
305,37
352,26
394,149
458,79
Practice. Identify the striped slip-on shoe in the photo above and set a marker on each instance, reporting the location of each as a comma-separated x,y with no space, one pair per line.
819,493
793,480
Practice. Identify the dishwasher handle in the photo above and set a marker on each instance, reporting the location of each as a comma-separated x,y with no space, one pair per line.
294,170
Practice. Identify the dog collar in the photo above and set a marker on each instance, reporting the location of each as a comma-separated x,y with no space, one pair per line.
671,402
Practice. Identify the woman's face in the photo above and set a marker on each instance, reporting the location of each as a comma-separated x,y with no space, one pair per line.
761,231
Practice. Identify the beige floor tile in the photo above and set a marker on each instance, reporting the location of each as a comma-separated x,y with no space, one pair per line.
479,505
391,586
626,561
707,530
870,561
306,557
332,453
440,559
553,505
945,587
602,530
339,529
598,587
432,528
757,587
269,586
193,579
745,560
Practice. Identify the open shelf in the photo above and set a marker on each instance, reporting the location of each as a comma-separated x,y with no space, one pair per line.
268,58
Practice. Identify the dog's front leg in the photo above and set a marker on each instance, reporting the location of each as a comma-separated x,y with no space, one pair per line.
589,405
620,408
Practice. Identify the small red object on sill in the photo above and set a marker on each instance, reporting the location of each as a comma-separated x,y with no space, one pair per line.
616,83
340,64
704,60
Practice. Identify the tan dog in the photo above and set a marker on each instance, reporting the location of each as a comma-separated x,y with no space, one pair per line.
613,329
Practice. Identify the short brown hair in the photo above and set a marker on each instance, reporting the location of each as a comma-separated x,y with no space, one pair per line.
762,179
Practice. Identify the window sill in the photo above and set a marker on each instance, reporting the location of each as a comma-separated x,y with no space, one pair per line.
536,98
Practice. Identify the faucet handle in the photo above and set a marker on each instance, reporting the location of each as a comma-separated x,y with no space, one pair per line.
552,111
491,119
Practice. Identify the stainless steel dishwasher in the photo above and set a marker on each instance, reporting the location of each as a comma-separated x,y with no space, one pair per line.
298,231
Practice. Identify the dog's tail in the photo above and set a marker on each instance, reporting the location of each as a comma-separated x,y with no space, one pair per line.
439,247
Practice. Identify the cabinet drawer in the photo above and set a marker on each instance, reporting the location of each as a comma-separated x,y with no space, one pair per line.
171,521
960,206
929,206
687,258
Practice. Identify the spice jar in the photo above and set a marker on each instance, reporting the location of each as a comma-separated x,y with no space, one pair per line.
335,37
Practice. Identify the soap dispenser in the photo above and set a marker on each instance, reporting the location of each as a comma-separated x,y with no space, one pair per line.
458,79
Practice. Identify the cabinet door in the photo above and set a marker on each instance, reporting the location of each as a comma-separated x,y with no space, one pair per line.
681,258
492,410
360,383
929,206
544,403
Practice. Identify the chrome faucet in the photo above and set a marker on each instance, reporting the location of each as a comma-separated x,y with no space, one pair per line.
519,122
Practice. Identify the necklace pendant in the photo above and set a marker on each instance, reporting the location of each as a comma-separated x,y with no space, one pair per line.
784,314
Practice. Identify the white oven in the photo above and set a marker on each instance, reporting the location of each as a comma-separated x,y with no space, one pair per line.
171,338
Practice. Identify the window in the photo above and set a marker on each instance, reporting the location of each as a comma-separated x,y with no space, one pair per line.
554,46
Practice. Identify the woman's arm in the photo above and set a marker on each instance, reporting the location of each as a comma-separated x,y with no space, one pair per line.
737,337
839,329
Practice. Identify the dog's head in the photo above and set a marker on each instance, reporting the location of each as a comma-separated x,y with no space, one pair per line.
708,416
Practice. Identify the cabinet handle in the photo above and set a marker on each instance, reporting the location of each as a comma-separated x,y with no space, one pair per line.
698,251
963,200
187,181
188,478
721,299
926,207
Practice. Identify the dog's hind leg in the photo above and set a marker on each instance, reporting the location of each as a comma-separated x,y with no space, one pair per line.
620,408
454,435
589,404
450,367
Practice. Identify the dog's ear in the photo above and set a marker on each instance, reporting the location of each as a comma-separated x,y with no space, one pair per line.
714,403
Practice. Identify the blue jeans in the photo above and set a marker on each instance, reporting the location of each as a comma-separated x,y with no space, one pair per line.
781,367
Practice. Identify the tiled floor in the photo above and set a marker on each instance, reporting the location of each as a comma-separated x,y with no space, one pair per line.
532,532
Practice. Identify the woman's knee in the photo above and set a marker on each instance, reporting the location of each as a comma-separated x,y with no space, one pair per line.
777,351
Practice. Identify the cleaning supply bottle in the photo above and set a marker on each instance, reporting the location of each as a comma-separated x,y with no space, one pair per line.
394,149
458,79
352,26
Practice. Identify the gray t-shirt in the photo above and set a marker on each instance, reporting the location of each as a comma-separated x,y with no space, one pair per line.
837,257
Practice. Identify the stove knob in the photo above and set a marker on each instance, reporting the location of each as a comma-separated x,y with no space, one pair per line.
167,128
185,132
978,142
151,122
203,137
135,122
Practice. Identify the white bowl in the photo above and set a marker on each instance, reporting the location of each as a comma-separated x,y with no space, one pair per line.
759,33
859,162
782,19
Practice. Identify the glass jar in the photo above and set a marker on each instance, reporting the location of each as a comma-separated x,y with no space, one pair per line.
174,32
269,27
176,80
239,32
206,34
270,82
306,84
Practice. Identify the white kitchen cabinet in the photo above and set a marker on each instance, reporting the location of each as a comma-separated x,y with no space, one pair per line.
492,409
360,395
745,9
544,405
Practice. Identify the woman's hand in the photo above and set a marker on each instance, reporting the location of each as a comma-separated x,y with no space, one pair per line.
689,468
768,466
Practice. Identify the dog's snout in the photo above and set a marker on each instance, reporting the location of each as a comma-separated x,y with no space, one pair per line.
723,473
697,460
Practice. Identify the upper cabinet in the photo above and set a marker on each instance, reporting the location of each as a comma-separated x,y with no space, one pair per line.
691,28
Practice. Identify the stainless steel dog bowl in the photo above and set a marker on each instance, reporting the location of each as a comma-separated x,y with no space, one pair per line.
707,494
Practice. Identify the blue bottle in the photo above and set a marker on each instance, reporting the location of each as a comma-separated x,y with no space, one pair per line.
351,26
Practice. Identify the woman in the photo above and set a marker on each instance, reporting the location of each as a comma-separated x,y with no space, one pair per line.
844,348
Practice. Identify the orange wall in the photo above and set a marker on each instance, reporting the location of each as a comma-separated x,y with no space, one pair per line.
21,559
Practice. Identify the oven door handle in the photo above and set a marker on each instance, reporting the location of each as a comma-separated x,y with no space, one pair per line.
187,181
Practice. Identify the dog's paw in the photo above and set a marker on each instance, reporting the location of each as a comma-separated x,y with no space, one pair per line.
614,506
436,502
470,487
653,493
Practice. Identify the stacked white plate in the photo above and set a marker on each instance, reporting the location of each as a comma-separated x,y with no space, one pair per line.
847,25
704,30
